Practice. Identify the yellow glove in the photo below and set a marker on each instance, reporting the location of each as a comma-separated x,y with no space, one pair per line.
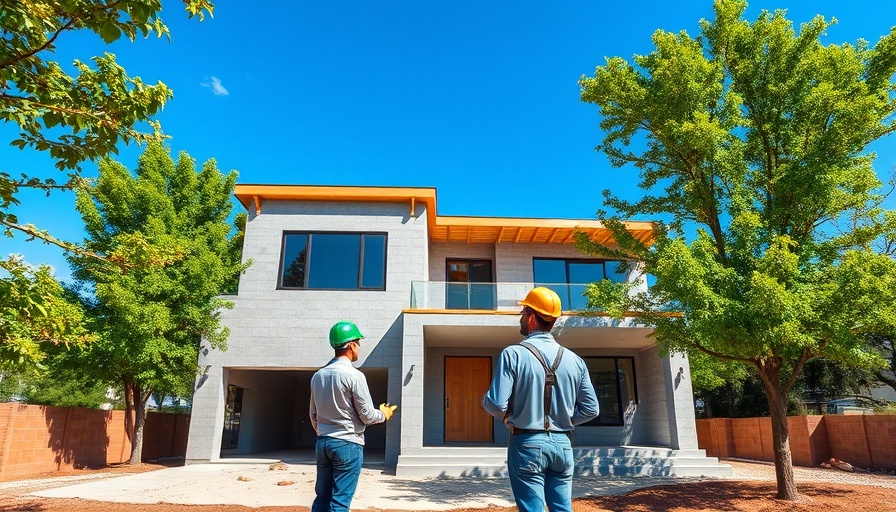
388,410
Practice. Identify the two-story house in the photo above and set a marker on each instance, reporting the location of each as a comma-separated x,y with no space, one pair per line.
436,297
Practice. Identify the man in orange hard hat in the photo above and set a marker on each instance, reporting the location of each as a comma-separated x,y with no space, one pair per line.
541,391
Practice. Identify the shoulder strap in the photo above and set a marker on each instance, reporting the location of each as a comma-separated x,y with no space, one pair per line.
549,377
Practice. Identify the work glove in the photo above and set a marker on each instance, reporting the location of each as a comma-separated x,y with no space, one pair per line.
388,410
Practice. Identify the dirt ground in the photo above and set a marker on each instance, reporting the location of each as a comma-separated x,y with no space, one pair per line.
728,495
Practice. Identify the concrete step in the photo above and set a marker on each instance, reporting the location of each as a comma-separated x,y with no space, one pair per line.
491,462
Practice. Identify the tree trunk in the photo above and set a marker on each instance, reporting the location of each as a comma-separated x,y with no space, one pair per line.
777,406
139,403
128,412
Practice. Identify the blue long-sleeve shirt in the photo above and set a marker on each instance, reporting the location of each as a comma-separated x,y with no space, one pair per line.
518,387
341,405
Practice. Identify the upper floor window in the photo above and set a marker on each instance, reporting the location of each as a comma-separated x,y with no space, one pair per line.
569,277
469,284
333,261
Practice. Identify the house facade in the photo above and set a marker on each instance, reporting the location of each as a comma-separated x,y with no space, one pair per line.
436,297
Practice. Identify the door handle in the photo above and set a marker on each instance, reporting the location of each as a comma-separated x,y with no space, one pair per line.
447,403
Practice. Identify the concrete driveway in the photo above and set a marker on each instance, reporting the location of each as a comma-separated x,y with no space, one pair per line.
288,480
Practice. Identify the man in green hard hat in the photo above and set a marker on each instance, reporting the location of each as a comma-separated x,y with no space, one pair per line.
341,409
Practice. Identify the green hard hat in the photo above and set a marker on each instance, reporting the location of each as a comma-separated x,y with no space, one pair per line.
344,332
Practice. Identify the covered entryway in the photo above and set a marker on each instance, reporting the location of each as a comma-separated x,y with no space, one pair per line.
273,410
466,380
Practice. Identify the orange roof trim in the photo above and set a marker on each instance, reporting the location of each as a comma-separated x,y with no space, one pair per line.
472,230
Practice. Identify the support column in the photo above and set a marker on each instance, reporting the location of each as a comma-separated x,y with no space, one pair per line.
207,417
680,402
412,372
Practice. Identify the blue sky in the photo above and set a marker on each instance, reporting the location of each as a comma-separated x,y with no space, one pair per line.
477,99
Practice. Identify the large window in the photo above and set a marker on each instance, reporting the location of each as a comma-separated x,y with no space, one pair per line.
333,261
614,383
569,278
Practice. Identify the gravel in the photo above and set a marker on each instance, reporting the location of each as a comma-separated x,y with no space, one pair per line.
758,470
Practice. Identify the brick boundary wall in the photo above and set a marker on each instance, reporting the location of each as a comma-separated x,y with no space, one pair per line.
38,439
865,441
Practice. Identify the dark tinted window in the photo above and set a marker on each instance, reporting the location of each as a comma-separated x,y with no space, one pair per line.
374,261
335,261
550,271
569,278
614,383
294,259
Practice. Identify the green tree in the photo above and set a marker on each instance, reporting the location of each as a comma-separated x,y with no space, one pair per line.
151,320
36,314
73,116
757,135
56,388
708,375
887,349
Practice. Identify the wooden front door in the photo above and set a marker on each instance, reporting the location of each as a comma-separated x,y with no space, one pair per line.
466,380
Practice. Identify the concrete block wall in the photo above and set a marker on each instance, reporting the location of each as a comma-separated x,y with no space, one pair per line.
864,441
85,439
809,443
633,417
680,402
207,415
277,328
414,374
38,439
715,434
440,252
423,388
652,396
514,261
880,433
288,329
434,409
165,435
32,441
748,439
849,440
647,422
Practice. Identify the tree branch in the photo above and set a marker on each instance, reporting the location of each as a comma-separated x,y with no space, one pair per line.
97,115
797,369
50,41
33,232
721,355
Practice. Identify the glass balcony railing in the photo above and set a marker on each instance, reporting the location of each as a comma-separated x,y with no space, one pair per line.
488,296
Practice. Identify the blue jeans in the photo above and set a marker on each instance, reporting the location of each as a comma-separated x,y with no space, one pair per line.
541,467
338,468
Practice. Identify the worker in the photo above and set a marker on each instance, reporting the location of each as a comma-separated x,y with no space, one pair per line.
340,410
541,391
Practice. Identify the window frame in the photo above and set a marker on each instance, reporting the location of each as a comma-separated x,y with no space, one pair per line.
470,284
619,402
567,261
309,245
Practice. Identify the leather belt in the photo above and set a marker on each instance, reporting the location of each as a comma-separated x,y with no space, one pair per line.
538,431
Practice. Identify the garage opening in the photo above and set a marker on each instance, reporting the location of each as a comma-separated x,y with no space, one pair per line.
267,410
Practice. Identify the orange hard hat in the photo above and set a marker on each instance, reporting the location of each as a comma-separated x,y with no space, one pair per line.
543,300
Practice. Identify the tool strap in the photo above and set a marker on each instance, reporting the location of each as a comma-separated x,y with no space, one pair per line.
550,378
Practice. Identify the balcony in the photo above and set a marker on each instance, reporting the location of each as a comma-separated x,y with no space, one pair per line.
441,295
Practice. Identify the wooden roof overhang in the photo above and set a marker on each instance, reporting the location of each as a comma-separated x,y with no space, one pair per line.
442,228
